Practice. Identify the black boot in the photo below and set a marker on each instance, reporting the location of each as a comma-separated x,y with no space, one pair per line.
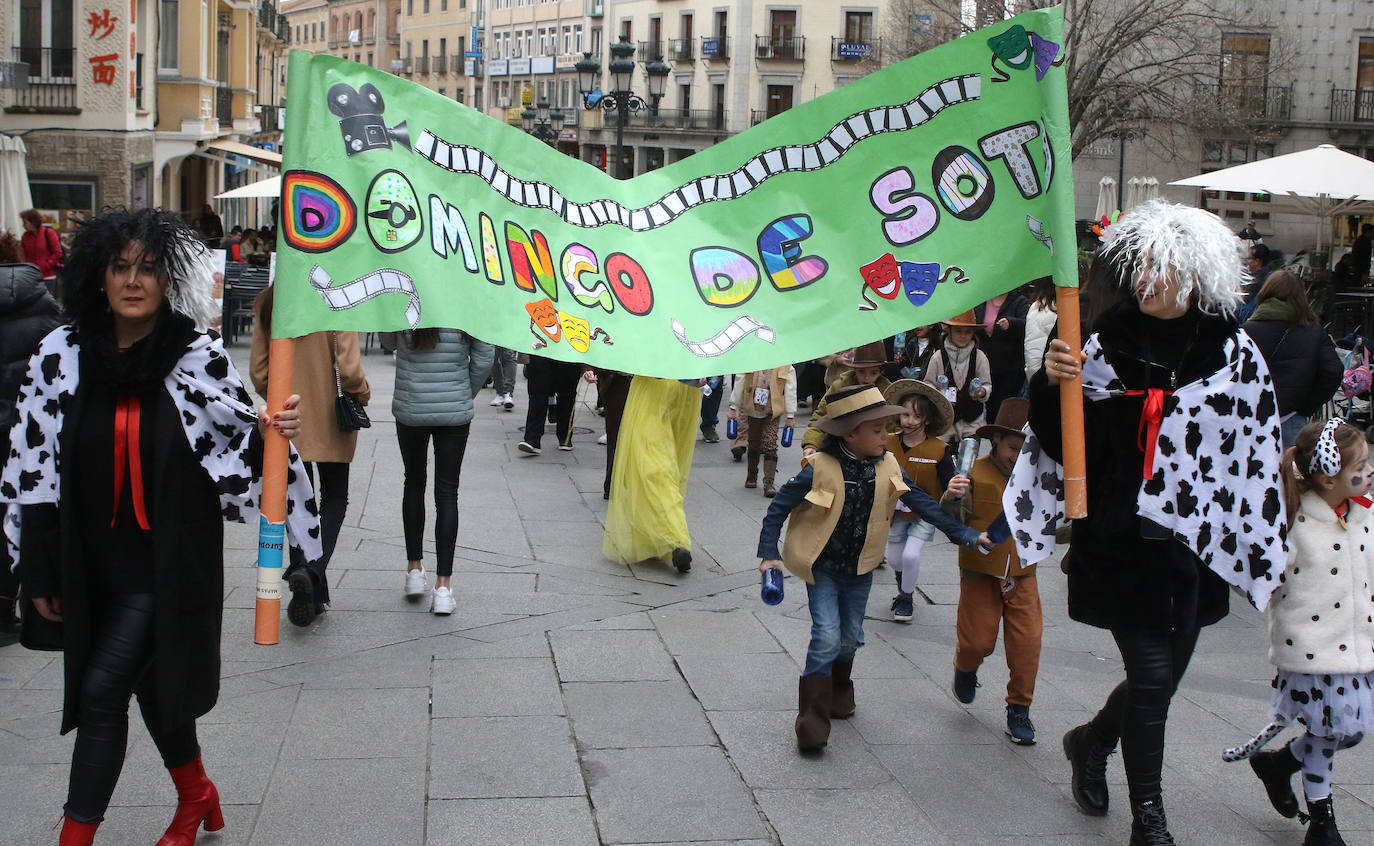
1321,824
1275,769
1088,759
1148,825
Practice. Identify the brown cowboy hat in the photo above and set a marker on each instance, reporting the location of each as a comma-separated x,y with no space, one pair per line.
965,319
872,354
848,407
943,413
1011,416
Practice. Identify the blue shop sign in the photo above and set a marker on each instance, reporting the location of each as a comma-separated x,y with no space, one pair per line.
854,50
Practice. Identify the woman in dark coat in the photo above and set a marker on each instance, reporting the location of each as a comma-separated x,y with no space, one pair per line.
1302,358
120,551
1003,341
1182,464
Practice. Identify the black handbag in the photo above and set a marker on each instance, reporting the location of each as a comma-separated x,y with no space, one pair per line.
349,414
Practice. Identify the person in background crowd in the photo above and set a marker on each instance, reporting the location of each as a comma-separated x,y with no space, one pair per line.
1041,321
325,364
1360,251
42,247
438,372
763,397
549,382
210,227
1302,359
234,244
1250,233
136,398
861,366
503,379
613,388
1003,341
28,312
918,345
712,392
961,372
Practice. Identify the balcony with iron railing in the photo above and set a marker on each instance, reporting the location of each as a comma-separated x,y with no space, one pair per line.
267,119
681,50
594,8
844,50
422,64
1245,102
680,120
1350,105
440,65
715,47
52,85
224,105
773,48
650,51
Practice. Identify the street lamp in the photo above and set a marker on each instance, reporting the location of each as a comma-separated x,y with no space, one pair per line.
620,99
542,124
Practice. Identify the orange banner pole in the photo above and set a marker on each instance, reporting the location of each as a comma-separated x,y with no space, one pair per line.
1071,410
272,525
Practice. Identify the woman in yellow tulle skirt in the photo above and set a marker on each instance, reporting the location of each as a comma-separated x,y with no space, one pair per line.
653,458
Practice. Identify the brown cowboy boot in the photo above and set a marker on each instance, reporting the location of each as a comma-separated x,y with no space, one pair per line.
813,712
770,471
751,479
841,690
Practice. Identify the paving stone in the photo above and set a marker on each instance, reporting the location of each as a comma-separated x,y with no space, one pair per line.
763,746
363,724
469,687
384,804
512,822
622,715
878,815
743,683
669,794
503,757
728,631
611,656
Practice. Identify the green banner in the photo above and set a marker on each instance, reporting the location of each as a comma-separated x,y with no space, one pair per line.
905,197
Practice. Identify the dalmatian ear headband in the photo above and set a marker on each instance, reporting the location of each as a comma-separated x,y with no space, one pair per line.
1326,456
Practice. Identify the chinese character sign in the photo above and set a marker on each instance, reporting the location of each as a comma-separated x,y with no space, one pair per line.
908,196
104,68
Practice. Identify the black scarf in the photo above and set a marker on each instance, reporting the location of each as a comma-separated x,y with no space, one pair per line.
143,366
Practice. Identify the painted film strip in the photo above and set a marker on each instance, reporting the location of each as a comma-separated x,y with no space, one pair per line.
798,158
383,281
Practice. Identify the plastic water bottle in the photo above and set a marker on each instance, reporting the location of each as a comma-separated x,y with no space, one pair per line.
974,385
732,428
772,586
786,436
943,382
706,389
968,453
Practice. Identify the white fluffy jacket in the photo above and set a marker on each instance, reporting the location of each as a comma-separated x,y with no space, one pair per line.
1321,619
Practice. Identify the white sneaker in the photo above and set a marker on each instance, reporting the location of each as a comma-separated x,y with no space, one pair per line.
508,401
495,401
527,448
565,447
444,603
602,440
415,582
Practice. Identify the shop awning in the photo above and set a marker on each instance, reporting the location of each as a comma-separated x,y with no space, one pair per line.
247,151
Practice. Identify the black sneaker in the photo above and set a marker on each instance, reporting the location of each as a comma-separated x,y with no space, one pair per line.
1019,726
902,611
301,609
965,686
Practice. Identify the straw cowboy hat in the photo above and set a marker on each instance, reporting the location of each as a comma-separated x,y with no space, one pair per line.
872,354
1011,416
942,412
849,407
965,319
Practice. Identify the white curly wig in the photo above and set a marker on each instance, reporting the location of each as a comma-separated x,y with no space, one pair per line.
192,292
1194,245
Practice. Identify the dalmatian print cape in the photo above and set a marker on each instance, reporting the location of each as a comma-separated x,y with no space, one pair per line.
216,414
1216,472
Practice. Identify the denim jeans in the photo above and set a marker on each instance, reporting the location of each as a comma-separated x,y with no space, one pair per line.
710,406
837,602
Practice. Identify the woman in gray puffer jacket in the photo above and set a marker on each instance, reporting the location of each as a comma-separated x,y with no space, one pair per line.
438,372
27,313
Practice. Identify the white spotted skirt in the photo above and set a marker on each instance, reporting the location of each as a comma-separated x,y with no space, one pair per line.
1331,705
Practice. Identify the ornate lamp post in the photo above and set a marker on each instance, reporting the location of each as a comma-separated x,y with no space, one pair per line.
543,123
620,99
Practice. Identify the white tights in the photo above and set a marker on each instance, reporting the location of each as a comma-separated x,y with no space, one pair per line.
1316,755
904,557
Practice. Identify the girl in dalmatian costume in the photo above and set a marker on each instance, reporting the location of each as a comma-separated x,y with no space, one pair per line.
1321,624
135,440
1181,434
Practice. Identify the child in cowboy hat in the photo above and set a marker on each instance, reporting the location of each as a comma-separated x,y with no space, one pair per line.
866,365
916,445
840,505
995,589
959,362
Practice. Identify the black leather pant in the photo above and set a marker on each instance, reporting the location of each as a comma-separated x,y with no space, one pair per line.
119,666
331,492
1137,710
450,444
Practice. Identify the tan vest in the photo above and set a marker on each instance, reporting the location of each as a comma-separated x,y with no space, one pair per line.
985,498
777,391
814,520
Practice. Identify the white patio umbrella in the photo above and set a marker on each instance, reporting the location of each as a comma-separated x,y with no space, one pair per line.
269,187
1106,198
1323,181
14,183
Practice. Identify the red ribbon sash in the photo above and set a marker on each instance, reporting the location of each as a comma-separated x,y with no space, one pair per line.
126,451
1151,416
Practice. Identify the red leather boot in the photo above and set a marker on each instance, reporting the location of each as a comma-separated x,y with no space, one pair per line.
76,833
197,802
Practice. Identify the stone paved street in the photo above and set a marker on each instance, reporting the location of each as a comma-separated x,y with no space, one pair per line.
573,701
